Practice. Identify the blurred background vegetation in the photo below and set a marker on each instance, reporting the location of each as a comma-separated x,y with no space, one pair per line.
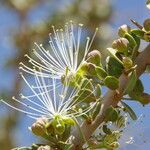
27,21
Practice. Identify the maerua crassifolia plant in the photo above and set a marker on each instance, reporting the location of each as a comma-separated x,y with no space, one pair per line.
67,104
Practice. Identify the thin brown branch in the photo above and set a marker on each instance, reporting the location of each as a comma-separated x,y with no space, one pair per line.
111,98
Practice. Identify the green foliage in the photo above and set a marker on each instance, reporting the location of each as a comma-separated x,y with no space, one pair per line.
91,76
98,92
131,83
113,52
111,114
101,73
129,110
113,67
111,82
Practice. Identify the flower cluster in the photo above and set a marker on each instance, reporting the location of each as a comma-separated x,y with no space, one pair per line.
67,82
65,51
55,102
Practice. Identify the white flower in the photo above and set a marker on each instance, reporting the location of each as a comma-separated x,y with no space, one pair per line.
48,99
65,52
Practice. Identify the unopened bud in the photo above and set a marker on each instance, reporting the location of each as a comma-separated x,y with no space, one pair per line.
123,29
127,62
94,57
38,128
120,44
146,24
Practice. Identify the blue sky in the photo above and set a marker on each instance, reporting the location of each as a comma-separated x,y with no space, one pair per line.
123,11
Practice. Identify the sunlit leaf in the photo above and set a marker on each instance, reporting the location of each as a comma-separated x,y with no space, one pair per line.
112,52
131,82
114,68
129,110
111,114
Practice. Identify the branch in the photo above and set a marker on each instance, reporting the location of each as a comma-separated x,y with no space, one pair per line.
111,98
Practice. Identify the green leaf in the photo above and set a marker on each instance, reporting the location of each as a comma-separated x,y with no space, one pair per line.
98,91
101,73
106,129
135,50
131,82
112,52
138,89
137,40
130,111
86,84
138,32
96,110
111,114
114,68
111,82
68,120
85,95
132,42
148,4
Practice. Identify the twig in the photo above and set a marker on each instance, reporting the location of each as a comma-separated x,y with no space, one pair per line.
112,98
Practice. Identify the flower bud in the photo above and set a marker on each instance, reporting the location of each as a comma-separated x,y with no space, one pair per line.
94,57
146,24
127,62
123,29
120,44
44,148
38,128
